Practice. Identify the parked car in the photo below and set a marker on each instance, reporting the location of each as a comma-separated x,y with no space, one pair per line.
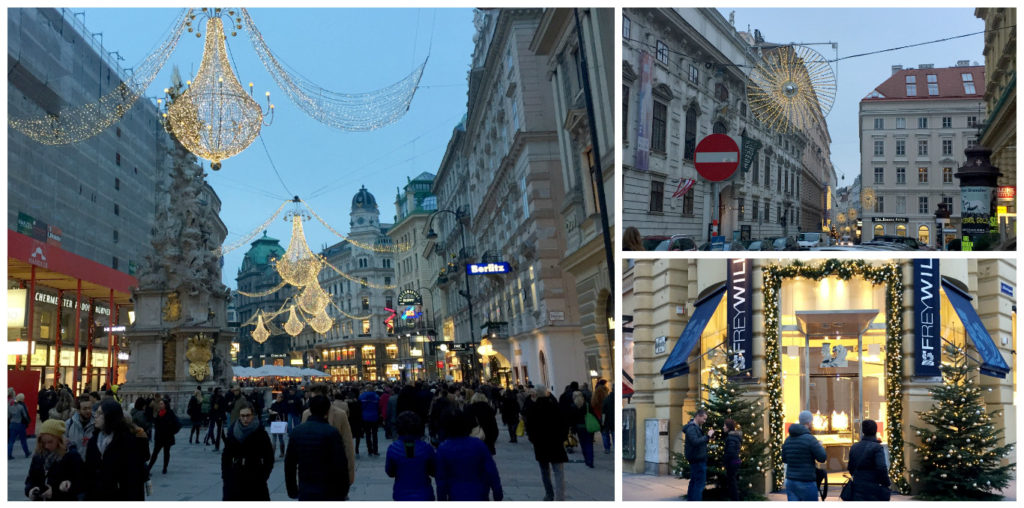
759,245
784,243
652,241
808,240
909,242
677,242
736,245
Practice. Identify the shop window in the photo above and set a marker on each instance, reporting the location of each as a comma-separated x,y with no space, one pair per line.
366,327
901,230
922,235
369,353
392,351
879,230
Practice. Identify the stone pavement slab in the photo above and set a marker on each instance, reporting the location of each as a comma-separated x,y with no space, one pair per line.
194,474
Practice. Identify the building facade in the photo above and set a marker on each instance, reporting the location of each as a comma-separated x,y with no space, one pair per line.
914,128
257,276
697,88
680,311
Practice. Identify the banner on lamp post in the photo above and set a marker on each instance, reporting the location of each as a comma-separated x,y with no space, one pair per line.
645,113
927,341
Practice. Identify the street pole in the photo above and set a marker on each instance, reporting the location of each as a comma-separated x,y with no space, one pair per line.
469,304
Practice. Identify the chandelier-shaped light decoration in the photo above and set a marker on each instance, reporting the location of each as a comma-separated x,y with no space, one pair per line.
69,123
215,118
346,111
298,266
791,89
260,334
294,325
313,300
321,322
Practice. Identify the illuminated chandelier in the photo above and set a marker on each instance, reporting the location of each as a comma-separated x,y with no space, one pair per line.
260,334
298,266
215,118
313,300
791,89
294,325
321,322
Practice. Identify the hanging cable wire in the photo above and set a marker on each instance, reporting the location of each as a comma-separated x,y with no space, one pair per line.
358,280
388,247
350,316
274,166
220,251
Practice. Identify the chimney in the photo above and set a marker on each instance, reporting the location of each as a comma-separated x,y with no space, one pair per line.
963,63
926,66
896,68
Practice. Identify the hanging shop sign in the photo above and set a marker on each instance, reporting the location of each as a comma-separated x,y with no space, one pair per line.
409,297
888,219
485,268
927,342
739,312
716,157
749,151
1006,192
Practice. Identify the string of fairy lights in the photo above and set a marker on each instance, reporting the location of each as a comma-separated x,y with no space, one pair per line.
389,247
889,274
346,111
791,88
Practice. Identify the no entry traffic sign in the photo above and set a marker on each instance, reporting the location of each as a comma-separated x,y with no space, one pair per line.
716,157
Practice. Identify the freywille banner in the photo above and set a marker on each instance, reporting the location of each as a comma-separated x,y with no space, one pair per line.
645,113
927,342
739,312
748,151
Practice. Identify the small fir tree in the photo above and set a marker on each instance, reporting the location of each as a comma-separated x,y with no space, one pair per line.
727,399
960,454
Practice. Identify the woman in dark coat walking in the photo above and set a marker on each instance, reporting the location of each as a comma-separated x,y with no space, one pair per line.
247,460
166,426
510,413
483,412
733,442
546,428
115,461
867,465
195,413
355,419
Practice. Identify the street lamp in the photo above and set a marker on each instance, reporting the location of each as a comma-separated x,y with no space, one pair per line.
431,235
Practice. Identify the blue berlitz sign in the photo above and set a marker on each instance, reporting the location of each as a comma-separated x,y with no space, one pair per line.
927,301
482,268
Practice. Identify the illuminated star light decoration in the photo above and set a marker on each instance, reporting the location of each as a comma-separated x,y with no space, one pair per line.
215,118
791,89
72,124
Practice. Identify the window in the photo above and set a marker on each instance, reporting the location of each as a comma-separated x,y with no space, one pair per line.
880,204
366,303
911,79
662,52
625,112
879,147
767,175
947,147
911,85
922,122
117,209
718,128
690,135
721,92
694,75
933,85
117,158
968,80
947,175
388,301
626,26
757,169
901,230
922,147
972,121
901,147
366,331
386,263
901,204
115,236
879,124
113,264
387,281
948,201
911,90
117,183
901,123
922,175
767,210
922,235
526,198
688,203
879,176
658,133
901,175
118,129
971,143
947,122
879,230
922,204
755,203
657,195
741,207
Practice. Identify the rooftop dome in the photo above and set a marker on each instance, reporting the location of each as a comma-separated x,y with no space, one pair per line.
363,200
263,249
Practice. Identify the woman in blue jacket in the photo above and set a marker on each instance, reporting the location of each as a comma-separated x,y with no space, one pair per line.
465,468
411,461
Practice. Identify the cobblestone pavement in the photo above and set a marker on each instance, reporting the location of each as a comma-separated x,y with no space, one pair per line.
194,474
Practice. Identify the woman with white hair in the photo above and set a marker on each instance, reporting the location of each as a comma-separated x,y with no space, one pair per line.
578,414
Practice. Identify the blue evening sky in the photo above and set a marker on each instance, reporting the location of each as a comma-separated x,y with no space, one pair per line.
861,31
343,50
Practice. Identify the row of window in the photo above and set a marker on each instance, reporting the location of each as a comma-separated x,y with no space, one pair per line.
900,203
901,230
922,122
922,147
966,78
922,175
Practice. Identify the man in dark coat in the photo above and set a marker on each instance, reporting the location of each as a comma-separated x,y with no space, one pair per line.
867,465
799,453
696,451
115,460
510,413
546,428
608,420
316,453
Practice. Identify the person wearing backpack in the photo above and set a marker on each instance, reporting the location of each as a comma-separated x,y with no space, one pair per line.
867,466
696,452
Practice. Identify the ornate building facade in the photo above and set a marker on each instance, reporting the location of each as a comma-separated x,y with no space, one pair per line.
257,275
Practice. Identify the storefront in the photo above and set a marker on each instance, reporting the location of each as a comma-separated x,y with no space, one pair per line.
66,315
846,340
364,362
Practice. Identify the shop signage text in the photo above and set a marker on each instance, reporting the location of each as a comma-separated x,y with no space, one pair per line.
928,349
1006,192
888,219
409,297
69,303
1006,289
659,345
738,312
481,268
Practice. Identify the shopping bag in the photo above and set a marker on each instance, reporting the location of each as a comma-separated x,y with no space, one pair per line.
592,424
278,427
520,429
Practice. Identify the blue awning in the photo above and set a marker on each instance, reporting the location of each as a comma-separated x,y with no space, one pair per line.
992,363
677,365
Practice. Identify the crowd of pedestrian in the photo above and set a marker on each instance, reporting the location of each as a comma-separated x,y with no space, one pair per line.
443,436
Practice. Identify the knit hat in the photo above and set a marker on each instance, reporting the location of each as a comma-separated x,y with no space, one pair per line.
20,397
53,427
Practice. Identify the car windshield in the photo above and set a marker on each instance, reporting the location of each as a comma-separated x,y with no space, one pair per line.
663,245
779,244
683,244
809,237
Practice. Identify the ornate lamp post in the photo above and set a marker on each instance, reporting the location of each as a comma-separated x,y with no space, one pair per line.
431,235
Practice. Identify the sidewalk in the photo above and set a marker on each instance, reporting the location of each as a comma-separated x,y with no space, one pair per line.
639,487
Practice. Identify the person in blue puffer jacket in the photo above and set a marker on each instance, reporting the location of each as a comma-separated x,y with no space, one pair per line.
411,461
371,418
465,468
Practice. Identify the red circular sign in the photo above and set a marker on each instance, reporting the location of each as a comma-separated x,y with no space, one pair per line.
716,157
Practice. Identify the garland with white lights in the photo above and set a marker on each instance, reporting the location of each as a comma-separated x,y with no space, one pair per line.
892,276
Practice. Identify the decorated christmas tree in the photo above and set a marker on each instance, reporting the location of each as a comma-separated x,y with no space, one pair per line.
960,454
727,398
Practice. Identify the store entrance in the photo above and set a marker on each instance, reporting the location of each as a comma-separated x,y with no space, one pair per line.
823,360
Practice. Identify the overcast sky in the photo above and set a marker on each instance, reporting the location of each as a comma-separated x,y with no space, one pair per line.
860,31
344,50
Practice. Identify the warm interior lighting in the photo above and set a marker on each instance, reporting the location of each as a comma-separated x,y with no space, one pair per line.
820,422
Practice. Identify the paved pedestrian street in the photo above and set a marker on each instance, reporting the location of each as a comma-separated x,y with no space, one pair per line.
194,474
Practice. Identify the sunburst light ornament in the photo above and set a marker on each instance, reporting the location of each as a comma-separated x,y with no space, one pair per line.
791,89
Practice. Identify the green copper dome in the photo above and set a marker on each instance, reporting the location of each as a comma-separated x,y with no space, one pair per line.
263,249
